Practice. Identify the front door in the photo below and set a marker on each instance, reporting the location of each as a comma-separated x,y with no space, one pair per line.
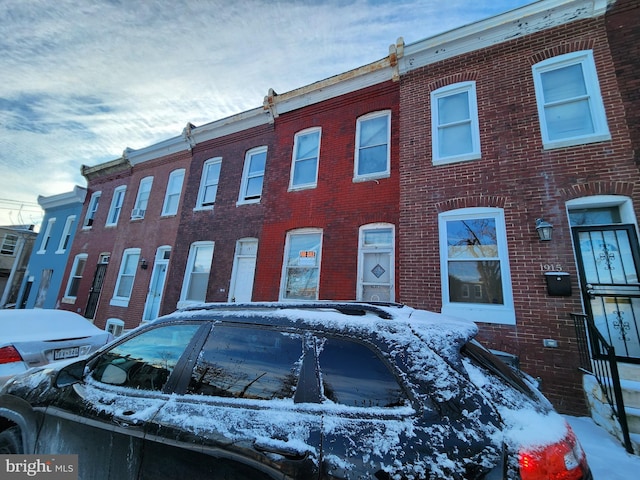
608,263
244,269
94,293
152,307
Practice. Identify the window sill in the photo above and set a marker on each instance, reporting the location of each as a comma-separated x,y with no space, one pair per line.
371,178
119,302
456,159
575,141
69,300
475,312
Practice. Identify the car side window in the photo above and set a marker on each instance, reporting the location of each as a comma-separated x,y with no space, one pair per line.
354,375
146,360
242,362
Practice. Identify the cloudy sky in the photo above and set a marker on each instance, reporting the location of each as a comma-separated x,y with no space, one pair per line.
81,80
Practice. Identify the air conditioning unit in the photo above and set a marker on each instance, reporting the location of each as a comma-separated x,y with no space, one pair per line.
138,213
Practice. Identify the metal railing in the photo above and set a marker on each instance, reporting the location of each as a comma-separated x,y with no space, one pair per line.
600,361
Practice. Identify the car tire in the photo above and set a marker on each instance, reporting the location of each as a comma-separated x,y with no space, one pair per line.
10,441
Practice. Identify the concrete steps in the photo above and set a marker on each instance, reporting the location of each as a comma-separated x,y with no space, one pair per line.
601,411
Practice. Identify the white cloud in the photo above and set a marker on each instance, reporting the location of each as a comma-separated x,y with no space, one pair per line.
81,81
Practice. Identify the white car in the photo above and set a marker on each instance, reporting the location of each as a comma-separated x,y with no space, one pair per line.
34,337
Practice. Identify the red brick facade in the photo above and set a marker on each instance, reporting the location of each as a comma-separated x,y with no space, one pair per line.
517,174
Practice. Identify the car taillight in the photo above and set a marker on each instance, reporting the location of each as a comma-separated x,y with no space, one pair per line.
9,355
564,460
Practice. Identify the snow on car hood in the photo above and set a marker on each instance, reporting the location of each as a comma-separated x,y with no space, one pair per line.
44,324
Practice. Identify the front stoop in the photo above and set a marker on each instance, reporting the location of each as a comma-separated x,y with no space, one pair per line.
601,411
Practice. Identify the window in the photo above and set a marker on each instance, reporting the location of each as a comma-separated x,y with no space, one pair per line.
91,210
9,243
352,374
570,105
209,183
142,200
174,189
65,239
455,133
46,238
301,273
247,363
116,205
144,361
373,135
376,266
126,276
474,264
196,279
253,175
77,269
306,152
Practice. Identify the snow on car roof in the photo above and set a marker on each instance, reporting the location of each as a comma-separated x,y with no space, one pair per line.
39,324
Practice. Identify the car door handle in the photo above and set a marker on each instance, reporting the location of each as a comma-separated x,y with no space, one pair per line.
288,453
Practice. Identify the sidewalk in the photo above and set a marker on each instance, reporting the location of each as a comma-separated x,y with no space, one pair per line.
606,455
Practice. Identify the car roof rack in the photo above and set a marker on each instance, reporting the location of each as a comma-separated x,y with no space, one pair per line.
348,308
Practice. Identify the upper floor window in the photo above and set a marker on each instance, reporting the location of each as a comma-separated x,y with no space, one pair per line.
569,101
65,239
373,139
475,265
376,263
91,209
196,278
142,200
77,270
306,152
301,269
253,175
9,243
116,205
126,276
46,238
209,183
174,189
455,132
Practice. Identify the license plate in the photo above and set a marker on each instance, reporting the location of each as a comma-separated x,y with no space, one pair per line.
62,353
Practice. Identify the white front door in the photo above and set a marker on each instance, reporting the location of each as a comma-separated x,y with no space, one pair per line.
244,269
156,286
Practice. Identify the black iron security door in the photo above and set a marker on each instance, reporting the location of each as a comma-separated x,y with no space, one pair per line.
608,260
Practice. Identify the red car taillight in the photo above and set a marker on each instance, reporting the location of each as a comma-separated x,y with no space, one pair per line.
564,460
9,355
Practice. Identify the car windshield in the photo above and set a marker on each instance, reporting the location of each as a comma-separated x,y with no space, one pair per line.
484,358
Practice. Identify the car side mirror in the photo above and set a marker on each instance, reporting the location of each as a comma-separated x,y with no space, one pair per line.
70,374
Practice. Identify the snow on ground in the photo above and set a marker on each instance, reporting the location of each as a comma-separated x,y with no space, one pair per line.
606,455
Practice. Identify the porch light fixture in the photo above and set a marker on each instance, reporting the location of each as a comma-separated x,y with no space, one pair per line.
143,264
544,229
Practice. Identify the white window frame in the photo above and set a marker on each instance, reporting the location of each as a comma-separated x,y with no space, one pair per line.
481,312
65,238
474,127
585,59
91,210
131,258
115,209
295,160
46,237
356,167
382,249
186,283
247,176
75,274
216,161
9,243
142,198
285,267
174,189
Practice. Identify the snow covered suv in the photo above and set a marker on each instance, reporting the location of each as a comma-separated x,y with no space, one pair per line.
292,391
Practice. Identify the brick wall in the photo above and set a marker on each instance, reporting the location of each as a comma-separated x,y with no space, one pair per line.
337,205
515,173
